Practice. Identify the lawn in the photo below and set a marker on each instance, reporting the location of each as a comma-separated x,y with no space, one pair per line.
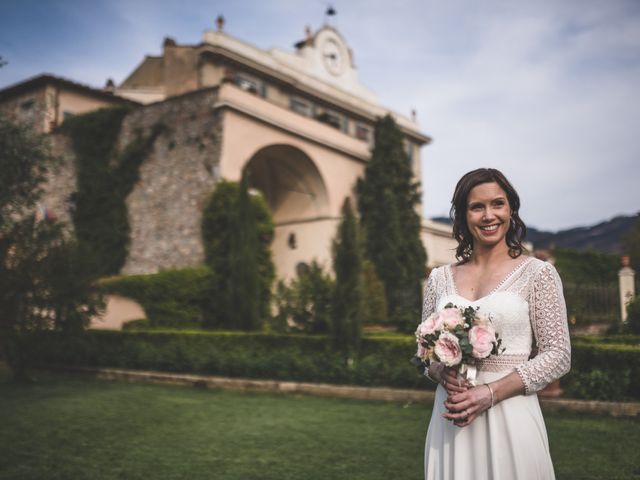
66,427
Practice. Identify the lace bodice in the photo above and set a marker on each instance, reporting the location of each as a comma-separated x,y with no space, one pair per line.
526,307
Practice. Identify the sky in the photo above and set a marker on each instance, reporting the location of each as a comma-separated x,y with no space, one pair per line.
547,91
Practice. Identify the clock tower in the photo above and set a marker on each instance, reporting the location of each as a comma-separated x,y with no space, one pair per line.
325,54
334,53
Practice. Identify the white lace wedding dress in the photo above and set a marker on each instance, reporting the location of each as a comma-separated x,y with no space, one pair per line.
508,441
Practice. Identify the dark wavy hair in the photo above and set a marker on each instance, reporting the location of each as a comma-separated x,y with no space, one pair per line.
517,228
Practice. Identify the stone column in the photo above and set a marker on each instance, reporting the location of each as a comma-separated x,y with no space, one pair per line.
626,281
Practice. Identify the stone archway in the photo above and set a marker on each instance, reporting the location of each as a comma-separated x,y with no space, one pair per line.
290,182
297,196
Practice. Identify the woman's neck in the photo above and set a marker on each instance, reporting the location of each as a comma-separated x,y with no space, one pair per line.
490,255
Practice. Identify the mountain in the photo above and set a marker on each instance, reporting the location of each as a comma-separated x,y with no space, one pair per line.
603,237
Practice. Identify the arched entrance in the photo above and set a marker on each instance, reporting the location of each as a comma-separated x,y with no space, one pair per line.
297,195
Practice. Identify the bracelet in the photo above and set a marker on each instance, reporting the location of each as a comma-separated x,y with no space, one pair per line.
492,396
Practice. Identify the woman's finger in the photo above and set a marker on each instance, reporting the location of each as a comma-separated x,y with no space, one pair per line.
457,416
465,422
454,389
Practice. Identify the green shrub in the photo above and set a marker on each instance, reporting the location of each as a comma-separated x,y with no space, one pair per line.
598,384
304,304
375,305
228,245
611,360
633,317
602,371
170,298
307,358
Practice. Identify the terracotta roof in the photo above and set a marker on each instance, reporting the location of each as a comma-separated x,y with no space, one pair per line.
47,79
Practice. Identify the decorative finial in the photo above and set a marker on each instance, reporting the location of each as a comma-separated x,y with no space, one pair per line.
110,86
625,260
220,23
329,12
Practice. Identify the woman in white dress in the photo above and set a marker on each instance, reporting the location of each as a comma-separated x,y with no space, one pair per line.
495,430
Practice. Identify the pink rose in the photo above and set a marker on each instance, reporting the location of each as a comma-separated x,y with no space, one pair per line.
430,325
423,353
447,349
482,338
451,317
481,319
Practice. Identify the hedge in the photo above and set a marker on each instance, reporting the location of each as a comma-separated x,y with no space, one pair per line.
305,358
170,298
606,371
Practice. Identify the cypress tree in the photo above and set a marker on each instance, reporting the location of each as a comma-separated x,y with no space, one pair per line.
244,281
347,311
387,200
237,230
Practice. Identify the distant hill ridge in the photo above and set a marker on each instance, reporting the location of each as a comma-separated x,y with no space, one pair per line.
603,237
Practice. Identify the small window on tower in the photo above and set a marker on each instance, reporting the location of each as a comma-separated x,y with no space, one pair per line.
363,132
331,118
300,106
250,84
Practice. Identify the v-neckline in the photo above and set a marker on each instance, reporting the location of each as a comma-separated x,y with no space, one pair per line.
494,290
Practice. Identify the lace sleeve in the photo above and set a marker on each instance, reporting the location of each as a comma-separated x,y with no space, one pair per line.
429,296
548,314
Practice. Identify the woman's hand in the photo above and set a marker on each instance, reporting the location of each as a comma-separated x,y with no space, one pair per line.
463,408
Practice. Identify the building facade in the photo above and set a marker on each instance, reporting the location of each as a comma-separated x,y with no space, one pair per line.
300,122
45,101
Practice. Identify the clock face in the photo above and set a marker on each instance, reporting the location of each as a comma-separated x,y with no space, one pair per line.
332,57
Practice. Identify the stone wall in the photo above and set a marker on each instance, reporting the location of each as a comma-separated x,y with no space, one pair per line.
165,206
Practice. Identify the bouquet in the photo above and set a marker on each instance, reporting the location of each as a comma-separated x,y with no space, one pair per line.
458,338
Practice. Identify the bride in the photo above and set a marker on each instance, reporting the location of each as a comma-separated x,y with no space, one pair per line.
495,430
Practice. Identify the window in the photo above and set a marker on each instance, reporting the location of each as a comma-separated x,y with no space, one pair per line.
408,149
363,132
250,84
300,106
292,241
331,118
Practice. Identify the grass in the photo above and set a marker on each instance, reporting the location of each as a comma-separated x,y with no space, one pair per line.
65,427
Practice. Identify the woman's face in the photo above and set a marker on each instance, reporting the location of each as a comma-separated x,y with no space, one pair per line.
488,214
